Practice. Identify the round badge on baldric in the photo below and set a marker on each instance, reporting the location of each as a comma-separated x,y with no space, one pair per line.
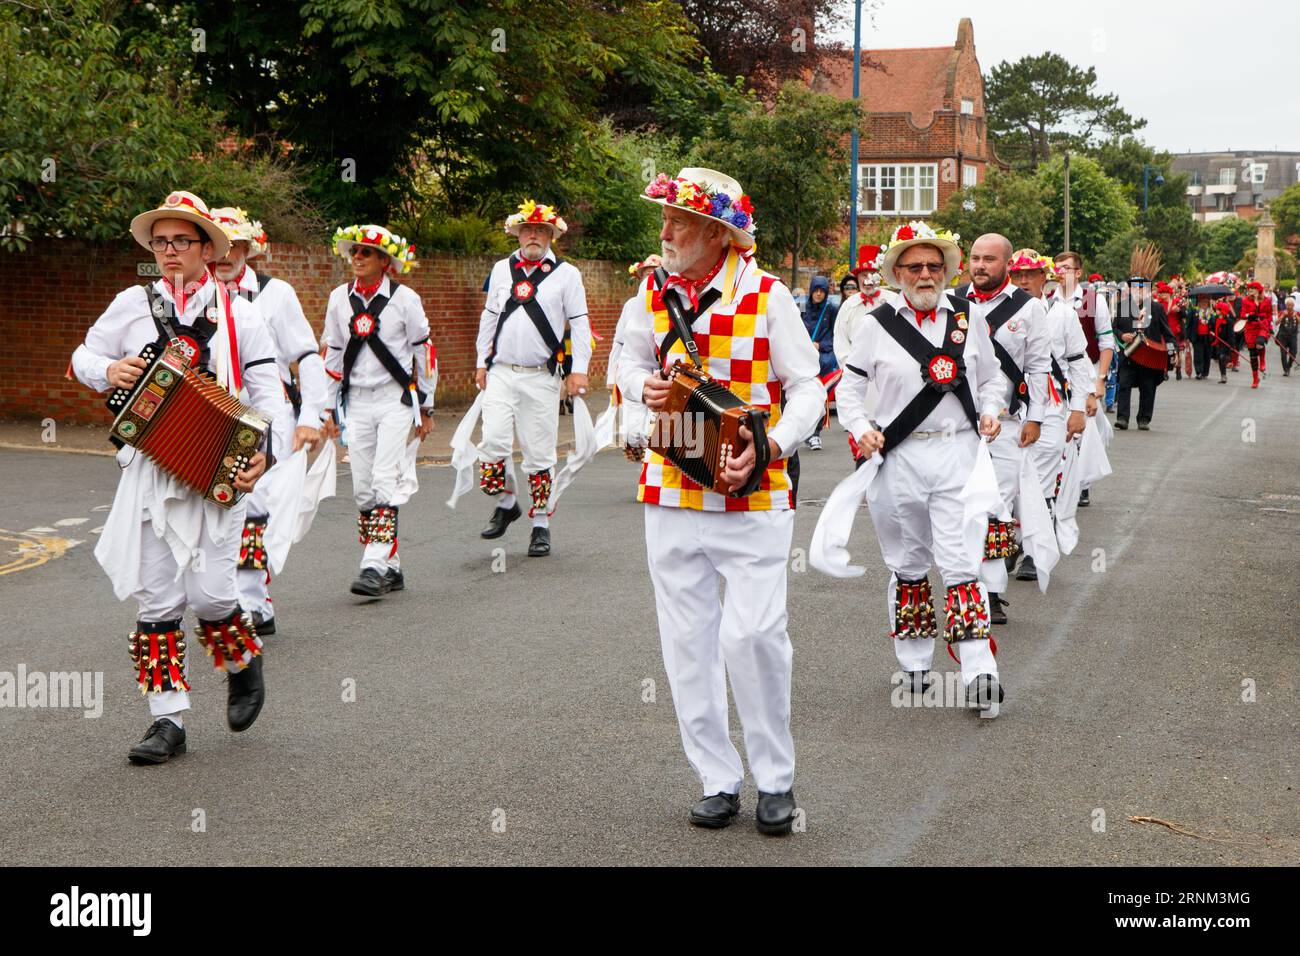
961,322
942,369
546,267
1023,388
523,290
958,336
1013,326
364,324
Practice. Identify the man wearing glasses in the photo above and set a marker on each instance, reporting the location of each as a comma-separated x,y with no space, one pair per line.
382,379
162,543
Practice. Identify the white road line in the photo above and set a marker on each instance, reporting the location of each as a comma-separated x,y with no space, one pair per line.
41,530
69,522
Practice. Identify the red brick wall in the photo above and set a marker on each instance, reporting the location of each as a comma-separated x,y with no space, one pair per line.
51,294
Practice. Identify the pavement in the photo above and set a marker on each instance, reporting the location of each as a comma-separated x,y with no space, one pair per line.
508,710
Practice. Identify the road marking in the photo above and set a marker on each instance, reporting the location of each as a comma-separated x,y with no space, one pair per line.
102,508
41,530
30,550
69,522
99,530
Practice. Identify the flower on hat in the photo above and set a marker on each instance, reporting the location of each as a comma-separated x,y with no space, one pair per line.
531,211
916,229
240,227
401,253
735,211
1027,260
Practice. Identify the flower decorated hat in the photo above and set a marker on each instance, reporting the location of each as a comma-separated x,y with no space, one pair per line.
529,211
707,193
922,234
1029,260
182,205
241,228
401,254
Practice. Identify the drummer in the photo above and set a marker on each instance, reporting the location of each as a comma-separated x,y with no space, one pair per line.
1140,314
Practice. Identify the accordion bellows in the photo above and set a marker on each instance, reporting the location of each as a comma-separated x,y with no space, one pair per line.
700,426
187,425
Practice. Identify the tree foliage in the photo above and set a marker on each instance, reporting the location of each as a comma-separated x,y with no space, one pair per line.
1226,241
1041,103
1008,203
1285,210
792,159
1099,210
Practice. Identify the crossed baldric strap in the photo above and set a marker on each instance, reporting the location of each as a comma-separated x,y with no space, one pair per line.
523,294
364,329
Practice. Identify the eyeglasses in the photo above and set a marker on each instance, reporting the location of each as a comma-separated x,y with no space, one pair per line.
180,243
365,252
916,268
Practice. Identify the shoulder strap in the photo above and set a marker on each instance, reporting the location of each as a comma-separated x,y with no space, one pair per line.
682,320
943,370
1008,307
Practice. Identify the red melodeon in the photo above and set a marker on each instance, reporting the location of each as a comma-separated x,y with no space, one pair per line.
188,425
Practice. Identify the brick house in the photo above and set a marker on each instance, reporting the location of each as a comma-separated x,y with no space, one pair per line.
925,134
1235,183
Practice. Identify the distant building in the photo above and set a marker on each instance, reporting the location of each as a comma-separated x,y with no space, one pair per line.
925,135
1236,183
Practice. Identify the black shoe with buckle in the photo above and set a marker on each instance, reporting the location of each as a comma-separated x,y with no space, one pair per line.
394,580
370,583
715,812
162,741
500,520
996,604
245,695
774,814
1027,571
539,545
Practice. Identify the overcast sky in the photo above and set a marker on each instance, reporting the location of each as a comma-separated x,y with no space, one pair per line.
1157,58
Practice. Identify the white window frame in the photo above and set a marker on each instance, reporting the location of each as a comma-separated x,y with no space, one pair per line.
1227,176
903,182
970,176
1258,173
968,107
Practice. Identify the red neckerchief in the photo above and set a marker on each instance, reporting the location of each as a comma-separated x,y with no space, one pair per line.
920,316
979,296
530,263
692,287
232,285
868,299
182,298
367,291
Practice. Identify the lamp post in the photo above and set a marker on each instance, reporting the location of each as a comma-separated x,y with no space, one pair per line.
1146,177
853,171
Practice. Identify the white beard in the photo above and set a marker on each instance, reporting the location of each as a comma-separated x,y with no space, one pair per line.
679,257
923,300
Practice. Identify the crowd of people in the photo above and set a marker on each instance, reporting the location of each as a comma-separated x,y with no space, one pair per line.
971,412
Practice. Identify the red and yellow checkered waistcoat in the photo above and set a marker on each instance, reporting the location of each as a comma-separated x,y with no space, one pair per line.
734,349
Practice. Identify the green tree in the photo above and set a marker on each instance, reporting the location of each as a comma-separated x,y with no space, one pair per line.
1285,210
1043,102
1226,241
792,159
1286,263
1123,160
1005,202
1099,210
1176,232
1114,257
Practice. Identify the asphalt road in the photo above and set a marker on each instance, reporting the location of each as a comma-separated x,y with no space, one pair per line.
501,718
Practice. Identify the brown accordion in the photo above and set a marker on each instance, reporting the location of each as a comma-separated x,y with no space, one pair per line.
187,425
700,426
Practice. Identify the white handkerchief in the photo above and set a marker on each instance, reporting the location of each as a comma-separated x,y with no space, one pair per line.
828,552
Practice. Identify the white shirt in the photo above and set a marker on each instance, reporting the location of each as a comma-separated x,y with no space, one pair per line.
1026,339
561,296
877,357
403,328
1101,321
849,319
1067,339
793,359
294,342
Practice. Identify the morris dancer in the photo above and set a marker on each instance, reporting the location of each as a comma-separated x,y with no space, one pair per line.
1093,313
531,296
1017,323
750,336
854,310
383,374
295,343
940,388
163,544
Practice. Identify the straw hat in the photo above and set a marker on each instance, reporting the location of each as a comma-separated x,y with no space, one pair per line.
709,194
529,211
921,234
181,205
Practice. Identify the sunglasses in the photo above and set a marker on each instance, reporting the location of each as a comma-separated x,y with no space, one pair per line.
916,268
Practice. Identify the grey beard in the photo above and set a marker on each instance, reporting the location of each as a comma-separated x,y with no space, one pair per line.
924,300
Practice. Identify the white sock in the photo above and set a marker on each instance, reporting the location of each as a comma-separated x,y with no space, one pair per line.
540,520
507,501
174,718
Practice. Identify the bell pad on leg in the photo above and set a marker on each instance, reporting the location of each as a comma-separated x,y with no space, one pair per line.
1001,540
539,487
252,552
158,656
914,610
967,613
227,641
492,477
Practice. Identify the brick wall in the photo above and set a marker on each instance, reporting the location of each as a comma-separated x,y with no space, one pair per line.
51,294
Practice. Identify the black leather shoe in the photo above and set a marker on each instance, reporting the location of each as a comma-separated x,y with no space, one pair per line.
265,626
715,812
1084,500
1121,424
996,604
394,580
539,545
370,583
1144,426
917,681
245,695
500,520
775,813
162,741
983,692
1027,571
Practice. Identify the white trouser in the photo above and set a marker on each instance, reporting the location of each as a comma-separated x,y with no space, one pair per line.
527,404
1049,450
254,592
208,586
253,585
378,428
743,637
1006,453
917,508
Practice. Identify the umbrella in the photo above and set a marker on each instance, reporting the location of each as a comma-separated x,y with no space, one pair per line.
1213,288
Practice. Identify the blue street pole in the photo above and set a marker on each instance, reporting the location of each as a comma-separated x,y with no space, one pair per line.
853,172
1146,175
